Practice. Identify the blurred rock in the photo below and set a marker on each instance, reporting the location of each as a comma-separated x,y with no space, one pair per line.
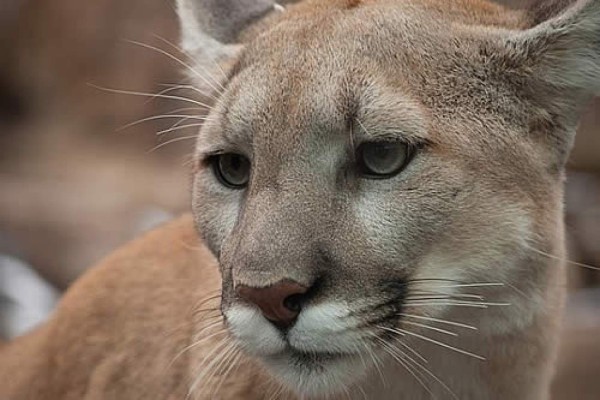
26,299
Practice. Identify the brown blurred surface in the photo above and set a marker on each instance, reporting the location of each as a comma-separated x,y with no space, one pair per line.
73,185
578,372
579,367
578,376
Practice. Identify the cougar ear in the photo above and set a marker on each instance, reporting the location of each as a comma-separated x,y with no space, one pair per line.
210,28
564,51
556,62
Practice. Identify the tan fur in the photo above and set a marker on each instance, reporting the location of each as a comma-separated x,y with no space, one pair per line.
119,330
493,101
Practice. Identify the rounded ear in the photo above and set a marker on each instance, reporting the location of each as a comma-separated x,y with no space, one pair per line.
556,62
210,28
563,51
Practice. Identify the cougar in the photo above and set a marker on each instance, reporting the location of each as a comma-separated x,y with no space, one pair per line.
378,192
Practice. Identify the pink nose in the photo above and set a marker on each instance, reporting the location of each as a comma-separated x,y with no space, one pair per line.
280,303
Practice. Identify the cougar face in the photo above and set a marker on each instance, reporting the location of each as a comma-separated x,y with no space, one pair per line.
369,165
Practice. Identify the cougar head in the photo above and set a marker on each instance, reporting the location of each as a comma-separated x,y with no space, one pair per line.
370,165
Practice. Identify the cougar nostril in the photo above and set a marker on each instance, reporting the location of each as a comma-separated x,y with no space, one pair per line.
280,303
293,302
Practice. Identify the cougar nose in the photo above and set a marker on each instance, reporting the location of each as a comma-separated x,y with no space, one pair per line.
280,303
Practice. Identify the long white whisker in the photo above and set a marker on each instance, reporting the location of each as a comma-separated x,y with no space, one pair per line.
445,304
360,354
392,352
143,94
431,374
441,321
218,347
577,264
362,391
159,117
455,295
211,295
224,348
178,128
442,297
211,317
196,343
172,141
449,302
463,285
211,325
182,51
182,63
346,392
178,125
179,87
184,109
442,344
233,362
221,367
277,391
413,351
376,363
432,328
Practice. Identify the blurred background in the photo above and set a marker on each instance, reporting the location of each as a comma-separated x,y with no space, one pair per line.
76,181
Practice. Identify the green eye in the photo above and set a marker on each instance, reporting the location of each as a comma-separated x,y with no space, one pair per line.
379,160
232,170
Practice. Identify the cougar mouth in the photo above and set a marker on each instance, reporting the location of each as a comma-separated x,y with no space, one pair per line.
314,373
320,354
313,359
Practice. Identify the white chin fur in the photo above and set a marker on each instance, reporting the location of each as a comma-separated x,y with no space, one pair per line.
324,328
318,381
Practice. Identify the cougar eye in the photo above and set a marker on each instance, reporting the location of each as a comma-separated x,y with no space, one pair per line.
232,170
383,159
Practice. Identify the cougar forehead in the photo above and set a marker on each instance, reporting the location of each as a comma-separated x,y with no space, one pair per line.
292,94
407,70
